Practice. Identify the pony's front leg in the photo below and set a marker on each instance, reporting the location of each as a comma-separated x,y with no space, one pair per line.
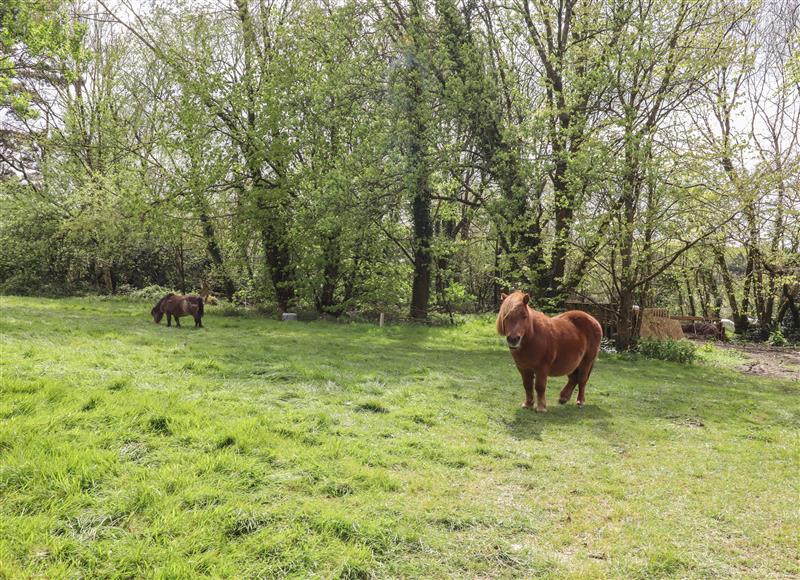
541,387
527,382
169,319
177,322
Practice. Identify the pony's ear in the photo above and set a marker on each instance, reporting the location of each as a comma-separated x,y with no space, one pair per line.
525,298
503,296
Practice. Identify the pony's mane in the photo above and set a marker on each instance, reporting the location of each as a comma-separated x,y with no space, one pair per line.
160,302
506,308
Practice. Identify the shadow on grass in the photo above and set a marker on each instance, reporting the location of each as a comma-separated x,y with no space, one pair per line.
528,424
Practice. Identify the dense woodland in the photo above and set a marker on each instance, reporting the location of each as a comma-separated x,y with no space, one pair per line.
412,157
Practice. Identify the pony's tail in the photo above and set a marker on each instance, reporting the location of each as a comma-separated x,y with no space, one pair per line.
200,306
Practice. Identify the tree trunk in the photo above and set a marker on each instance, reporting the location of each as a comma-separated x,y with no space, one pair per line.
326,303
791,306
748,281
350,283
181,269
564,201
447,230
108,279
626,330
423,233
690,296
418,177
215,253
278,258
740,321
713,291
627,327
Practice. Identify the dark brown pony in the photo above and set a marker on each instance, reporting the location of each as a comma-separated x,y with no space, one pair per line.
543,347
177,306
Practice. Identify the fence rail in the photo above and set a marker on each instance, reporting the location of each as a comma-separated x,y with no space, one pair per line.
695,318
659,312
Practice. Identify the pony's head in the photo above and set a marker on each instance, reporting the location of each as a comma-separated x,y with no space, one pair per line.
512,320
158,312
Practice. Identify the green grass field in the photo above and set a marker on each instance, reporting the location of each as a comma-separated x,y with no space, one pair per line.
259,448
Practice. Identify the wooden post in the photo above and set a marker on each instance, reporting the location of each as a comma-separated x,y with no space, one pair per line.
380,320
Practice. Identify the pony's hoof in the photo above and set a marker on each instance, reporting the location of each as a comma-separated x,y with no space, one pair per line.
541,409
580,403
563,401
526,405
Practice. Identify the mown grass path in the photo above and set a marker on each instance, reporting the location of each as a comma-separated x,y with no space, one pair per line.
259,448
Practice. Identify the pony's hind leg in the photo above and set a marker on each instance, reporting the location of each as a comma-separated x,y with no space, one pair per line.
583,378
541,388
566,392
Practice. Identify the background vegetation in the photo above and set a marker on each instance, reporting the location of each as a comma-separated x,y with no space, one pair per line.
406,156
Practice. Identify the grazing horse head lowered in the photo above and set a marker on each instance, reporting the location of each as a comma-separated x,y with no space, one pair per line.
177,306
543,347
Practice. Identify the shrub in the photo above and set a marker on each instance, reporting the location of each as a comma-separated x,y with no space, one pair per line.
148,293
681,351
776,338
608,346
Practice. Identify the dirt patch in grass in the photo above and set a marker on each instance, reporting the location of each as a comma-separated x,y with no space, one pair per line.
780,362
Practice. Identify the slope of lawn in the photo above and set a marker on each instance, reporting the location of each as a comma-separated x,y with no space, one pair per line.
259,448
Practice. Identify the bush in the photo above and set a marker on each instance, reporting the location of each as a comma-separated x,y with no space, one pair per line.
776,338
608,346
148,293
681,351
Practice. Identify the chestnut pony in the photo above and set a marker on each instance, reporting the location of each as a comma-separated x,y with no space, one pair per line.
543,347
177,306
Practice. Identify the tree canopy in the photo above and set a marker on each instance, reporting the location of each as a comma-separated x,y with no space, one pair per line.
406,156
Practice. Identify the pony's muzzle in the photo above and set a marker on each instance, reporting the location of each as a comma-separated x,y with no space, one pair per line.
513,341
